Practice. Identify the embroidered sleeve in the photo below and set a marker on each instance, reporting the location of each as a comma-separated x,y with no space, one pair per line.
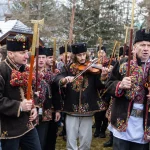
118,92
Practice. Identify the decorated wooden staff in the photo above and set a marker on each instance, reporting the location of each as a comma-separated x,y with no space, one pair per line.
66,46
72,23
100,45
117,52
113,53
37,54
54,55
125,41
34,42
131,37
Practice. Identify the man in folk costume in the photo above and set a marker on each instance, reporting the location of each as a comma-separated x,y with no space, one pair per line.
63,56
17,113
62,67
101,121
129,111
44,98
121,49
82,99
109,143
56,106
49,59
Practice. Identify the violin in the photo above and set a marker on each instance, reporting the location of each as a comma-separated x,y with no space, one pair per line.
89,67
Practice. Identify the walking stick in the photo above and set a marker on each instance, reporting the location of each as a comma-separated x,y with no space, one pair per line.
131,38
125,41
54,55
35,34
37,54
100,45
66,47
113,53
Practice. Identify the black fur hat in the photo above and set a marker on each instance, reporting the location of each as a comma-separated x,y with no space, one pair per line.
79,48
142,35
62,49
49,51
102,48
121,50
18,42
42,50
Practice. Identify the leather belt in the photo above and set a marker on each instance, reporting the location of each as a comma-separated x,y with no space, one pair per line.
137,113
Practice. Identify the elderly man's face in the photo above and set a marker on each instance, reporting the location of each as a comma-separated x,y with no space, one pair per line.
142,49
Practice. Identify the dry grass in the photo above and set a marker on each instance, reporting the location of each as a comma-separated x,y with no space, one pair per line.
97,143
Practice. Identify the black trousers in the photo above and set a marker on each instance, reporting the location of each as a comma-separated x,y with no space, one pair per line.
48,133
101,121
42,130
119,144
29,141
63,120
52,134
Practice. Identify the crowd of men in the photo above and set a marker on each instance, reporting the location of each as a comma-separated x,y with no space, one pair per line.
76,88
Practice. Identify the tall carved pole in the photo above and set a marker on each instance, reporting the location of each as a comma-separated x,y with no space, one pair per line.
37,55
113,53
72,23
125,41
131,38
100,61
54,55
66,46
117,51
34,43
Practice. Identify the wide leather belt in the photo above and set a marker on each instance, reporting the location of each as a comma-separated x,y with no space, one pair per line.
137,113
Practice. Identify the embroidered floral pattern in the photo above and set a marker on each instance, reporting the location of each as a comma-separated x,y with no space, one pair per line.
82,108
20,38
42,88
4,134
137,90
48,76
29,125
80,84
121,124
74,69
21,79
47,115
102,105
147,134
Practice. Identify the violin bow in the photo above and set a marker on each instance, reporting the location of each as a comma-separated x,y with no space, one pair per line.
35,35
131,38
89,66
